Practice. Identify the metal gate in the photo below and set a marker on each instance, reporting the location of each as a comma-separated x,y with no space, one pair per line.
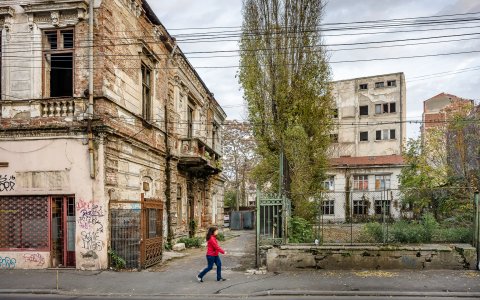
152,238
272,216
125,231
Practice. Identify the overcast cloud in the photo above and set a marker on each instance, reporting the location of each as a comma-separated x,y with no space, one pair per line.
225,13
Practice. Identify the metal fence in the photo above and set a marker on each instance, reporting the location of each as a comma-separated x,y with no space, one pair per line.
126,235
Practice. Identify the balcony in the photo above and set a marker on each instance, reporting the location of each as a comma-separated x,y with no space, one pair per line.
196,156
52,109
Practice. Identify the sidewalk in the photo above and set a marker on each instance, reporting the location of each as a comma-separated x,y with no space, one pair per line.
177,277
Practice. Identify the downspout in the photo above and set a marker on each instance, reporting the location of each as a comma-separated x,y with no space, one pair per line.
401,114
168,169
90,90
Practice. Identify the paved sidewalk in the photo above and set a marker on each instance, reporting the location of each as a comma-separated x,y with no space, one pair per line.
177,277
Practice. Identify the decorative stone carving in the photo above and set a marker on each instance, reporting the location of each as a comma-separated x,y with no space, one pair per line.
6,14
58,13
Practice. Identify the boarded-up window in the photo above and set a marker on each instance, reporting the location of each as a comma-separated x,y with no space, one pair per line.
24,222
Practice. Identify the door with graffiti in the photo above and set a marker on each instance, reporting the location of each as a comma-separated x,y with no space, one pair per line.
63,231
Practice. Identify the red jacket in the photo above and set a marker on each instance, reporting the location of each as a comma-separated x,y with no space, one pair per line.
213,248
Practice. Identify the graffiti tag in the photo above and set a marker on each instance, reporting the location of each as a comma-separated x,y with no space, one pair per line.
89,217
7,263
91,241
7,184
35,258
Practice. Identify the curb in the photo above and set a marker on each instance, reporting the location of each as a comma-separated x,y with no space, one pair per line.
475,295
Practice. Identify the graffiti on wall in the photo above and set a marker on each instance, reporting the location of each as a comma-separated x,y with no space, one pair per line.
7,183
7,263
89,219
35,258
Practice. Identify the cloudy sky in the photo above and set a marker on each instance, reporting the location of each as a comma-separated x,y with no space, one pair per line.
454,74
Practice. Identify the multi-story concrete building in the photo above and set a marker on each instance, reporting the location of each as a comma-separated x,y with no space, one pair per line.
109,138
367,146
438,109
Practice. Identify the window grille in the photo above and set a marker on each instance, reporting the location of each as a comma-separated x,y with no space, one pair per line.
24,222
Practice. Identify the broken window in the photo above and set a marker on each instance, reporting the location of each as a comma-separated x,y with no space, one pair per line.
363,86
393,107
146,93
329,184
364,110
392,83
380,84
363,136
58,53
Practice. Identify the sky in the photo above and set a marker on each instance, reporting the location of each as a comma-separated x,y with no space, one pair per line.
453,74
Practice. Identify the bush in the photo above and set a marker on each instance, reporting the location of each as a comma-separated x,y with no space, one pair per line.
300,231
454,235
429,226
220,237
194,242
372,232
404,232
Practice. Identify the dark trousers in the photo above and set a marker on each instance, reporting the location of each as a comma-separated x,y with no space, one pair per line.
212,260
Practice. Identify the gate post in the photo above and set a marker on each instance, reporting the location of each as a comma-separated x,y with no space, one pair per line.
257,228
476,237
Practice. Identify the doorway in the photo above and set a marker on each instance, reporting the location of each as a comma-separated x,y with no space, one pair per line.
63,231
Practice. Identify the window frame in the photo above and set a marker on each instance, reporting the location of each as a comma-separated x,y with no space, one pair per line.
328,207
363,86
329,184
363,107
363,139
385,180
360,182
46,90
190,120
379,84
147,102
391,83
378,206
359,207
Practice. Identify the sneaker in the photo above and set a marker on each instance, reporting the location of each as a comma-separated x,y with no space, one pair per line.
199,279
222,279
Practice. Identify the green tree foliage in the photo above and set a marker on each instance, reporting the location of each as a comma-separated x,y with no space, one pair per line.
285,79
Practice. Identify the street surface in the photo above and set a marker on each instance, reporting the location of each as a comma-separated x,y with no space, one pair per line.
176,279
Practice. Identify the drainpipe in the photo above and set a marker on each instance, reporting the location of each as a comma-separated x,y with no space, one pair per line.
90,90
401,113
168,169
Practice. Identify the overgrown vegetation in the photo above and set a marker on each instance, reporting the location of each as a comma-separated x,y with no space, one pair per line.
426,230
221,237
300,231
117,262
286,81
193,242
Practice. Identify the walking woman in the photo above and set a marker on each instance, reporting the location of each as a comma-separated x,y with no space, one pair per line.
213,249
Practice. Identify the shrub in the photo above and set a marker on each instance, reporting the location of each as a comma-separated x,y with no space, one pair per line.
372,232
300,231
404,232
429,226
220,237
454,235
193,242
117,261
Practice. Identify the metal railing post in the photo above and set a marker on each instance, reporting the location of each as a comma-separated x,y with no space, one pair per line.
476,237
257,225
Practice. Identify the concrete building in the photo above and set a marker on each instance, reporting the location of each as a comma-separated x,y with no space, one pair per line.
105,143
367,146
438,109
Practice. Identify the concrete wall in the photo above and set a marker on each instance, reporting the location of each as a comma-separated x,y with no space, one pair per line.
60,167
456,257
349,97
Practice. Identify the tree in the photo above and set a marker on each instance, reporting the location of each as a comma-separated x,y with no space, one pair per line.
238,159
285,79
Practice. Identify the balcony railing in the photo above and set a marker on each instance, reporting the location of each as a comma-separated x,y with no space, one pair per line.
67,108
195,152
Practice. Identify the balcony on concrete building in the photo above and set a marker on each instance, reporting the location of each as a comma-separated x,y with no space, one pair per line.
197,157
